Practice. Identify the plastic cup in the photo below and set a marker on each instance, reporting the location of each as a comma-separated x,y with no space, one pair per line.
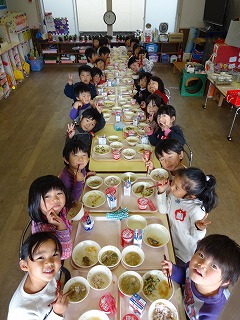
142,203
116,154
127,236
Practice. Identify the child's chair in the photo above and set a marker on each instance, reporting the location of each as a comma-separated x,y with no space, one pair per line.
168,94
188,153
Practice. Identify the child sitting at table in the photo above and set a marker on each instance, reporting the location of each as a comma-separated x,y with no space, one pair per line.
170,153
104,53
85,76
192,196
142,92
48,204
166,116
83,102
90,122
97,76
96,43
134,65
37,296
76,157
100,63
91,56
156,85
153,103
214,266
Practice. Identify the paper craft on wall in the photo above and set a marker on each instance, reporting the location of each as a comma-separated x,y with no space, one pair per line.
49,22
61,25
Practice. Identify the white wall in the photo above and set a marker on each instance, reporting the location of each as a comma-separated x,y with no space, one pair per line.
192,14
30,8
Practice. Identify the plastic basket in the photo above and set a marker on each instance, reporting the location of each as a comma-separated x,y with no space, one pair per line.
165,58
36,65
152,48
153,57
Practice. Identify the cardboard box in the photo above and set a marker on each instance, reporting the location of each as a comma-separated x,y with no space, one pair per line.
226,55
175,37
233,35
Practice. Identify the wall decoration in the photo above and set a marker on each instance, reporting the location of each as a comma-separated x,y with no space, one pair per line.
61,26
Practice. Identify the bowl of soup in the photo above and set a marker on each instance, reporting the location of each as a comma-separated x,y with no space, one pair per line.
94,182
109,256
155,235
130,282
132,256
77,289
99,277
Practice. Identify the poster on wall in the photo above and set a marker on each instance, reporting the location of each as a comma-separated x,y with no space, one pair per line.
3,4
49,22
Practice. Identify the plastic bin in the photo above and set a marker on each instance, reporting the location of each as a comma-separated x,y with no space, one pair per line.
165,58
152,47
153,57
36,65
192,84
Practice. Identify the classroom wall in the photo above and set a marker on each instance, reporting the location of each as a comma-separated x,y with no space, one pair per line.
192,14
30,8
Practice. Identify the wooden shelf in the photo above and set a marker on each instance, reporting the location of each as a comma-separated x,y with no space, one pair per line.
170,48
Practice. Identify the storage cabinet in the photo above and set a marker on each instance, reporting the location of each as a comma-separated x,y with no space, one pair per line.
66,52
23,38
161,49
4,86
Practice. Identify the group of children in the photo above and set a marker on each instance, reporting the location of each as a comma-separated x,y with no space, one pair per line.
206,265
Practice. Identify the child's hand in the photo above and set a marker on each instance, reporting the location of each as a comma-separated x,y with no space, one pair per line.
148,130
77,105
71,130
79,176
61,304
202,224
164,185
99,108
90,174
55,220
70,79
167,266
148,163
143,105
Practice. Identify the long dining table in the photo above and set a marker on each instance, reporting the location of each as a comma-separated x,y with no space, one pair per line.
108,232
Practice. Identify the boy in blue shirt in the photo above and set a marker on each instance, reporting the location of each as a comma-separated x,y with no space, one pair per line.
214,266
85,76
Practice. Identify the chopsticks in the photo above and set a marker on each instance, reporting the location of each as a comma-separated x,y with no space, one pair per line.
50,304
168,275
156,185
75,176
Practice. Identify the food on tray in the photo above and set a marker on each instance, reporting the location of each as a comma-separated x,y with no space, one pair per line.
99,281
130,284
94,199
101,149
132,259
154,288
150,284
112,181
86,261
132,178
158,177
162,312
141,147
77,292
113,138
109,258
153,242
108,103
94,183
143,190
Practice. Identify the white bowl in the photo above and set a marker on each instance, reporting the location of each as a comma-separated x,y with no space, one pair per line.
128,115
104,254
127,106
94,314
130,131
140,189
101,149
159,174
113,138
112,181
128,153
132,256
94,199
116,145
76,213
99,277
141,147
129,176
157,232
108,103
165,303
122,101
132,141
142,125
136,222
153,290
77,281
94,182
87,248
116,108
130,282
111,97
